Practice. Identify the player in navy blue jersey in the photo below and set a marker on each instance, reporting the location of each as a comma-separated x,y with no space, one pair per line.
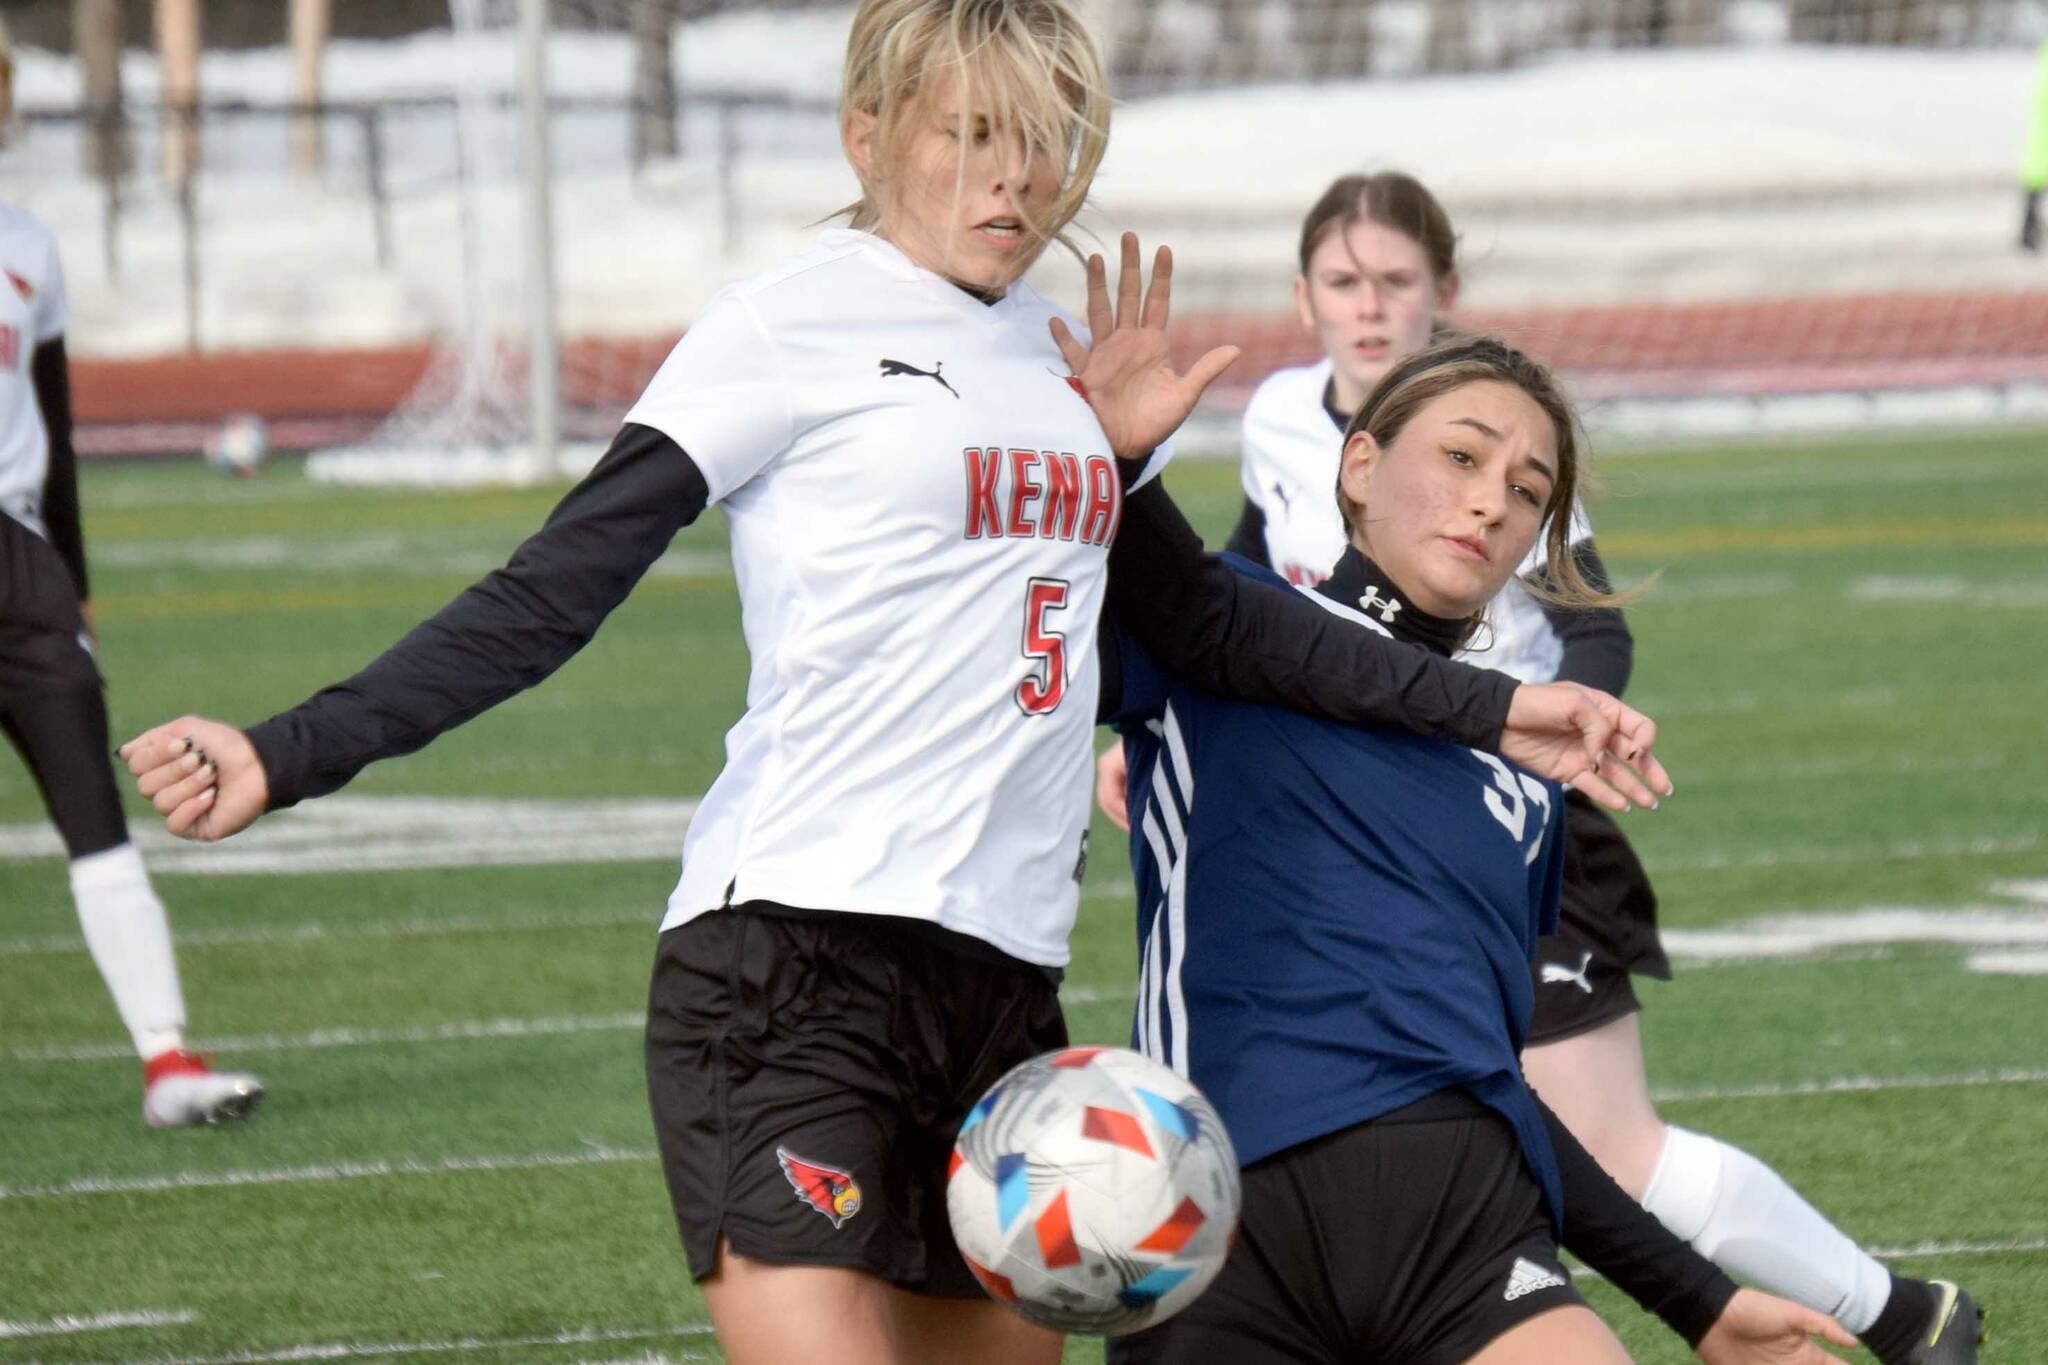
1335,930
1379,266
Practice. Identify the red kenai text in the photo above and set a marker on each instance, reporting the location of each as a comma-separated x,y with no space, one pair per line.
1049,494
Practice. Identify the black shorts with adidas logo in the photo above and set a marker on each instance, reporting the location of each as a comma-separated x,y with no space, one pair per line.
1413,1239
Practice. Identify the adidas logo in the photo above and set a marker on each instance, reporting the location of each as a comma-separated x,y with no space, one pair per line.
1527,1277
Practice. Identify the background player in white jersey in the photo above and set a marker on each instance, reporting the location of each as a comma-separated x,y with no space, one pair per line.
1378,269
52,706
923,468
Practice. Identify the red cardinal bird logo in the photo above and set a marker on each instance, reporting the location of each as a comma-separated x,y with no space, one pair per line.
827,1189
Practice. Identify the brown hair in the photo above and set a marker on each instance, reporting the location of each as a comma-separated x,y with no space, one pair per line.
1450,363
1030,63
1394,200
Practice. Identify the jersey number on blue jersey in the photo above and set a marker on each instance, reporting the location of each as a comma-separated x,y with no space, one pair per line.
1510,797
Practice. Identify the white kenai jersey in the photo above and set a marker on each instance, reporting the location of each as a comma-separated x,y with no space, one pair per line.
1289,468
32,311
920,509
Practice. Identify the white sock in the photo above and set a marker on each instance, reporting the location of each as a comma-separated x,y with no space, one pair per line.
1741,1215
130,940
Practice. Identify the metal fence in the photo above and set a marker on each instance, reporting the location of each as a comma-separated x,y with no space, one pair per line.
375,158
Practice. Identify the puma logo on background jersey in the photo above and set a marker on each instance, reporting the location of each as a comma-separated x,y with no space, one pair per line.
1556,973
1527,1277
892,368
1286,503
21,286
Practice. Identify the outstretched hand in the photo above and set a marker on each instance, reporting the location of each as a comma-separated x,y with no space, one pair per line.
1124,371
202,776
1757,1329
1588,740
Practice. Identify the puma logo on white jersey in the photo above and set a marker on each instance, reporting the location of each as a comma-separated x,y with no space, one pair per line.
1555,973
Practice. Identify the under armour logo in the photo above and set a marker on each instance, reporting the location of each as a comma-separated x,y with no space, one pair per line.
1556,973
1387,607
892,368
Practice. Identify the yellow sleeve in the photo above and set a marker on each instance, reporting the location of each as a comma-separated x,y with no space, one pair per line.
2035,174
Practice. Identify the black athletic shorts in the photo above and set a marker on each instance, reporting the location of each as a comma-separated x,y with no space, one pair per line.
52,708
808,1072
1607,931
1412,1239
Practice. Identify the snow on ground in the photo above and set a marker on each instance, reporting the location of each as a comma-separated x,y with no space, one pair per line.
1585,178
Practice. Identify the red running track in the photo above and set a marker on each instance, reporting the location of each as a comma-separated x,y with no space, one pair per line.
169,404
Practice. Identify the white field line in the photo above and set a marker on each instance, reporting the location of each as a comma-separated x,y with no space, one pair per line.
415,926
1781,936
392,554
2009,962
1947,589
2010,941
316,931
468,1030
1917,1251
69,1324
388,833
360,1350
323,1173
597,1155
1852,1085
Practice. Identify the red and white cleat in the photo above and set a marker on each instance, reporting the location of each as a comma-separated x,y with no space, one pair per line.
179,1090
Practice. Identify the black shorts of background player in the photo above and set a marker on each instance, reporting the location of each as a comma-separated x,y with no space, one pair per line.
52,704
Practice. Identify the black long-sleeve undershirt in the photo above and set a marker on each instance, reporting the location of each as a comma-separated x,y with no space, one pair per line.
1598,649
1248,537
1618,1237
502,635
1258,642
522,622
50,373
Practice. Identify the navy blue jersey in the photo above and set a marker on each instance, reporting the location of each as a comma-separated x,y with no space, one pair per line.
1333,921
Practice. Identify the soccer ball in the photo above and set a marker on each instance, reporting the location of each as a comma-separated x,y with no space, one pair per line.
1093,1190
240,446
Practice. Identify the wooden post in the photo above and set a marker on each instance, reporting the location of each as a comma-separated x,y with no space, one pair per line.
177,45
654,84
96,34
310,23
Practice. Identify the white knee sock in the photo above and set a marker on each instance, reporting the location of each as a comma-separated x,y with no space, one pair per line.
1741,1215
130,940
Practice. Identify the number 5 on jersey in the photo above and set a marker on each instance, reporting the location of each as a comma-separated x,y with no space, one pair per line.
1045,686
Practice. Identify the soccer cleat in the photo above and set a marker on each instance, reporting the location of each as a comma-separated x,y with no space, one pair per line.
1958,1328
179,1090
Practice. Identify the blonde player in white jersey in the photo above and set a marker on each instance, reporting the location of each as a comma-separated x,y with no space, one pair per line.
924,466
52,706
1378,270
